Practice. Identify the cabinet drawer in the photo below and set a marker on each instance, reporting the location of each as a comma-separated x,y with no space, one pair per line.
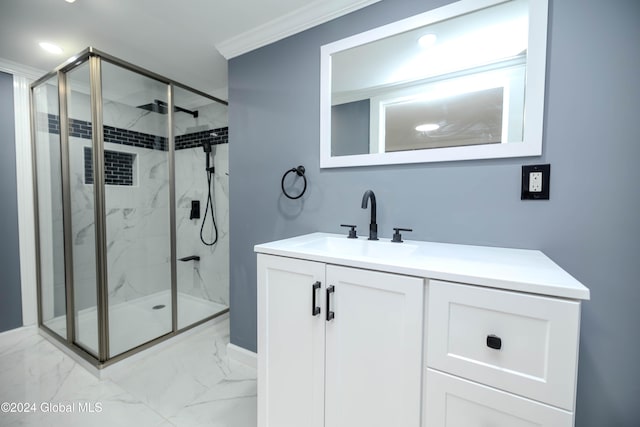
455,402
522,343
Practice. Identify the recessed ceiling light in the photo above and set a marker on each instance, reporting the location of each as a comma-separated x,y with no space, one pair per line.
70,1
428,127
51,48
427,40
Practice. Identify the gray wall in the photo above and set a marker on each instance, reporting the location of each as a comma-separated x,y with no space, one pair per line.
350,128
590,227
10,299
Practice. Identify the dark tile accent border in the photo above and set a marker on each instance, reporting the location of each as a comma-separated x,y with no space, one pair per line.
77,128
54,124
82,129
134,139
192,140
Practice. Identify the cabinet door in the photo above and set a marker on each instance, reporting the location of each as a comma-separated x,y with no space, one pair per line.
455,402
290,343
374,349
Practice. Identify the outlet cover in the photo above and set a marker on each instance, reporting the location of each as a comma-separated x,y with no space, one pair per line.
535,182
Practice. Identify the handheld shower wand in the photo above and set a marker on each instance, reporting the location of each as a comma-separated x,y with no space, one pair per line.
206,146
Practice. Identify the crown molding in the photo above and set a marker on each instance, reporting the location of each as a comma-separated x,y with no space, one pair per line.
315,13
16,69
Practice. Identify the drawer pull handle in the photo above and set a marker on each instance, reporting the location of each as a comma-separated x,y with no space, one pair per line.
494,342
315,310
330,314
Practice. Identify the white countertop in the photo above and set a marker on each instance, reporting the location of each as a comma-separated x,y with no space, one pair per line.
510,269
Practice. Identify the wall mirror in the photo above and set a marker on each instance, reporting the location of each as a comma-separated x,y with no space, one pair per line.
464,81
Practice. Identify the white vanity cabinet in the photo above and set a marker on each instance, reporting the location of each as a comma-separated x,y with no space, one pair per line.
337,346
416,334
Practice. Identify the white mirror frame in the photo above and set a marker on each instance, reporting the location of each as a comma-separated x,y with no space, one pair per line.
534,87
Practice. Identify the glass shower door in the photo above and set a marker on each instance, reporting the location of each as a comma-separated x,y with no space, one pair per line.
81,193
136,165
49,221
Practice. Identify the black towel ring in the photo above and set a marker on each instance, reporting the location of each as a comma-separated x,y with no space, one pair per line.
300,172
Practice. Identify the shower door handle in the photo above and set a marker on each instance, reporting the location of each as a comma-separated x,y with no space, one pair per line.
315,310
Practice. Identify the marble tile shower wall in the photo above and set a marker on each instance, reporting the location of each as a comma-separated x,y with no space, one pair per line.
138,242
208,278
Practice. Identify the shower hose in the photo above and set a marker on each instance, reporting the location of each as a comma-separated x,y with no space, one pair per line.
209,206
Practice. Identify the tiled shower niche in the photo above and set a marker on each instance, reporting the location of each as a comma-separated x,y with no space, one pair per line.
119,167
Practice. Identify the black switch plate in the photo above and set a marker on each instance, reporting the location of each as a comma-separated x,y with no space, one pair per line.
527,171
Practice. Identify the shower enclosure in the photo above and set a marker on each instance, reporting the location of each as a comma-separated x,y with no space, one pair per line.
122,180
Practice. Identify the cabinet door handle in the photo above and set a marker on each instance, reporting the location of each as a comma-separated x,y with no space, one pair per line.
315,310
330,314
494,342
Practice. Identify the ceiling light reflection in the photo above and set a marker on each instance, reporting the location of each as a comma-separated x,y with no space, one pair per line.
428,127
427,40
51,48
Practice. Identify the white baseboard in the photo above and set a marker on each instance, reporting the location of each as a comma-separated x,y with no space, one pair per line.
242,355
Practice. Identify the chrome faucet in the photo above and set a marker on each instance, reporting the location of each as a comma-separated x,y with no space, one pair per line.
373,227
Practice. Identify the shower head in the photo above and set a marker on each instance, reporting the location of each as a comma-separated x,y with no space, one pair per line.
162,107
156,106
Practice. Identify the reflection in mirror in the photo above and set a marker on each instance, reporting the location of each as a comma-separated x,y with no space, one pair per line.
486,108
448,84
448,122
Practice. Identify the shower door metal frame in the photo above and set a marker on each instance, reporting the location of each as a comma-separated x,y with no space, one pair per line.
97,137
172,212
95,58
63,118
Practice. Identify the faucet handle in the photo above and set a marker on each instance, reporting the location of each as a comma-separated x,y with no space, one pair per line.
397,237
352,232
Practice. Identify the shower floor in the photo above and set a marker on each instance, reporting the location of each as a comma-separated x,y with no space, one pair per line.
136,322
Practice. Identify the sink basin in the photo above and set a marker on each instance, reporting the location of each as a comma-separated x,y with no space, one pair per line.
350,248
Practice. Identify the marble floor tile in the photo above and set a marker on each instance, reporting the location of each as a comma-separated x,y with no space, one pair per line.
231,402
172,378
18,339
189,383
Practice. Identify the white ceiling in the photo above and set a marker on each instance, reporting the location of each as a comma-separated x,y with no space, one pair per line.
188,41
